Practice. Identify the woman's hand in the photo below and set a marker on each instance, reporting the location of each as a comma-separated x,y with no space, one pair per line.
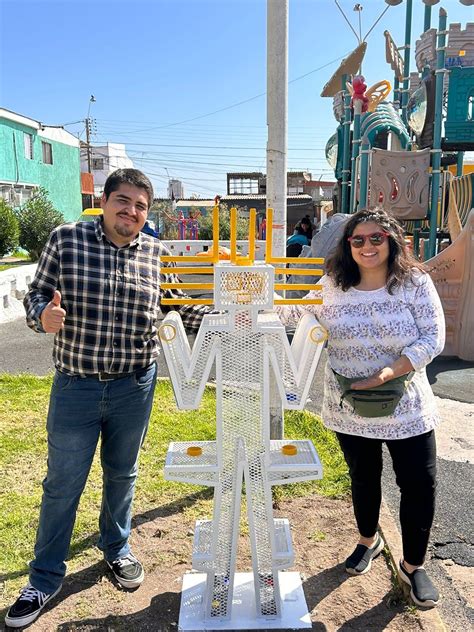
402,366
382,376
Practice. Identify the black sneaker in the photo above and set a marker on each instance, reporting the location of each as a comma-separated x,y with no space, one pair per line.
360,560
423,592
128,571
28,606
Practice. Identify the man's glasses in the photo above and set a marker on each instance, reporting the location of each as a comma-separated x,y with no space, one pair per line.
376,239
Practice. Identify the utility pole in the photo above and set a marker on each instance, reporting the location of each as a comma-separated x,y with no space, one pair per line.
88,122
88,141
277,145
277,119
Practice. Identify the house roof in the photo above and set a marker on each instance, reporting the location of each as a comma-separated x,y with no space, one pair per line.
50,132
321,183
200,203
245,174
262,196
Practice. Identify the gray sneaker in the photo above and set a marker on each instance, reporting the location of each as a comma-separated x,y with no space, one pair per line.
28,606
128,571
423,592
360,560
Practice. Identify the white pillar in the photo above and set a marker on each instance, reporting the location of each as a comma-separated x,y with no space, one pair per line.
277,119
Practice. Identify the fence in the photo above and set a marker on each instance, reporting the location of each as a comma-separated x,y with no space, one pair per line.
14,282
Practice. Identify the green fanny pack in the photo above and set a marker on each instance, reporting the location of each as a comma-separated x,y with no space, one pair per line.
380,401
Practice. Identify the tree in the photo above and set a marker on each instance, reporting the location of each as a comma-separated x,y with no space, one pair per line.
205,225
160,213
9,229
37,218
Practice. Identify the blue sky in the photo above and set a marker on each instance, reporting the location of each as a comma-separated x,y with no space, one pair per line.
153,64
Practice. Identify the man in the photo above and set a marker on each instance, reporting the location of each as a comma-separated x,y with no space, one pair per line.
97,288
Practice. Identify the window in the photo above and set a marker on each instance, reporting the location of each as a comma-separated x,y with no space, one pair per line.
295,190
28,141
16,196
47,153
97,164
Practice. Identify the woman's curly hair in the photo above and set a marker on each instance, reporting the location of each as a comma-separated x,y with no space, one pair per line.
344,271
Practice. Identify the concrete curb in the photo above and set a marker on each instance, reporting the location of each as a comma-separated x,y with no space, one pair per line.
430,620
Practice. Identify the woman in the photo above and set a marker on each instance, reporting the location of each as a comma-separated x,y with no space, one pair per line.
384,320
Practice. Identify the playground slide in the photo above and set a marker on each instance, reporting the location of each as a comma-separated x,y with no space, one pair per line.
452,271
461,201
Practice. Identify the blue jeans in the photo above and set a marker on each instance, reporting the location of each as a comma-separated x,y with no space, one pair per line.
80,411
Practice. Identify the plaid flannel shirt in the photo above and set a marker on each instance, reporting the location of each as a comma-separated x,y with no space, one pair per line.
111,296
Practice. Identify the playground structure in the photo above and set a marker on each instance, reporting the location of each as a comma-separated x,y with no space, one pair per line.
397,154
248,343
188,227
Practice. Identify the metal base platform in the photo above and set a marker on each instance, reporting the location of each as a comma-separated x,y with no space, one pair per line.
294,609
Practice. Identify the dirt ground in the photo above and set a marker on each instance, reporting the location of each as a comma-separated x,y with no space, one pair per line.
323,535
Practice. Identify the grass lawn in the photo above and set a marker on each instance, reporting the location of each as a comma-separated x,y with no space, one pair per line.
23,407
14,264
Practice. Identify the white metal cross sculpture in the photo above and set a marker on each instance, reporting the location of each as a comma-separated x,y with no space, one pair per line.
247,342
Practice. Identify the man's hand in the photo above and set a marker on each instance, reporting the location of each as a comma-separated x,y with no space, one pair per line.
53,315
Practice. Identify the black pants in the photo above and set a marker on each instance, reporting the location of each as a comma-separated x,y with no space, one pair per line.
414,463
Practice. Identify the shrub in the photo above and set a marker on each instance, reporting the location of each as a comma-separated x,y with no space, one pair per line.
9,229
37,218
205,225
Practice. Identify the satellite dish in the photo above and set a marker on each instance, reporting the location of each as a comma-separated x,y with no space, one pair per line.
349,66
307,176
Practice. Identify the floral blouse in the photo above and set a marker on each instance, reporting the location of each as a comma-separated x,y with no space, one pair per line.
369,330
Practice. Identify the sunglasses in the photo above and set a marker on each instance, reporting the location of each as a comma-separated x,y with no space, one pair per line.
376,239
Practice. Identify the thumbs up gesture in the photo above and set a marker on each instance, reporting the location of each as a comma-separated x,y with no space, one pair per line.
53,315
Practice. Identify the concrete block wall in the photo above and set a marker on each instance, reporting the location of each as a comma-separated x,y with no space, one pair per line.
14,284
191,247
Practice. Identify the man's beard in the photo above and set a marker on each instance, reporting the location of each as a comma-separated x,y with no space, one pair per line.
125,231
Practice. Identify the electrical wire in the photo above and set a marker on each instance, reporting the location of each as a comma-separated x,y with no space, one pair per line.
257,96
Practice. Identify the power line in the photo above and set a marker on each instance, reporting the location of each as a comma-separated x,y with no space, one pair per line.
221,147
257,96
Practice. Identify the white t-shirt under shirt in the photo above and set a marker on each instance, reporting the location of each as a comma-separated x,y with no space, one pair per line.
369,330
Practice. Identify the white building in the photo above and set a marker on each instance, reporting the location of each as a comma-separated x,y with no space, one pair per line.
104,160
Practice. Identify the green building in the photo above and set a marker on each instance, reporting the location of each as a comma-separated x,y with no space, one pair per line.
37,155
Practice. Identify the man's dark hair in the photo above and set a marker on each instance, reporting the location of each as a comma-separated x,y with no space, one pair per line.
128,176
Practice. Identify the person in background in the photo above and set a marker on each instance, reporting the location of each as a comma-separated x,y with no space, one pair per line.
384,320
306,225
149,228
322,244
98,289
301,237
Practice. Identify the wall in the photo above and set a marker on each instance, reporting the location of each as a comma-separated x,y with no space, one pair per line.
114,157
62,179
